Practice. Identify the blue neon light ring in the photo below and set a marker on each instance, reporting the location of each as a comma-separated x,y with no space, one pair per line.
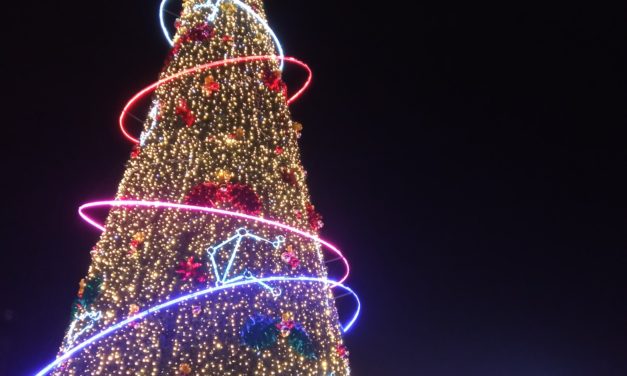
68,354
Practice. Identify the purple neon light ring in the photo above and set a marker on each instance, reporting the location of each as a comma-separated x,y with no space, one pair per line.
112,329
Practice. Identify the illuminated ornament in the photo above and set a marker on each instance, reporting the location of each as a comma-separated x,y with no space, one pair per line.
272,79
294,262
199,33
210,85
278,150
137,241
136,151
290,258
297,127
81,288
224,176
196,310
139,237
228,7
287,316
286,325
342,351
190,270
285,332
183,111
185,369
237,135
314,218
228,40
133,309
88,291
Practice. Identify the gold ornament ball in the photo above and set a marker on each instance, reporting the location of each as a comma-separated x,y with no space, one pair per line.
185,369
287,316
139,237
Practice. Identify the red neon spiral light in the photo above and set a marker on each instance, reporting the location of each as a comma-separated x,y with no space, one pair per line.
213,64
169,205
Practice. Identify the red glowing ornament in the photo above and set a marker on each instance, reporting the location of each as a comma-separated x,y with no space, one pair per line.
199,33
136,151
314,218
286,325
210,85
136,242
278,150
191,270
289,257
342,351
183,111
272,79
239,197
227,39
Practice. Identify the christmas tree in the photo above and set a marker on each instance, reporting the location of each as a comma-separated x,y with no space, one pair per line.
209,262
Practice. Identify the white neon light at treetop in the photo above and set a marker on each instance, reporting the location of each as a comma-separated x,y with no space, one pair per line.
213,15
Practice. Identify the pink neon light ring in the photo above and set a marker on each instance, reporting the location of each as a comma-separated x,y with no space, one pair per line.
158,204
213,64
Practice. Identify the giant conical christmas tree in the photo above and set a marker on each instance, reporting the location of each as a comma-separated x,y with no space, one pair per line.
209,262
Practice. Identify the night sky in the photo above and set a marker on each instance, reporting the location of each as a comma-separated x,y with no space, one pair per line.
469,159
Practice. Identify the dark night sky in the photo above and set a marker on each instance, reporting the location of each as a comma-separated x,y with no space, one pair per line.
478,187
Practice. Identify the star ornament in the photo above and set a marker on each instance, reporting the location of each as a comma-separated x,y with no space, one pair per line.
190,270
